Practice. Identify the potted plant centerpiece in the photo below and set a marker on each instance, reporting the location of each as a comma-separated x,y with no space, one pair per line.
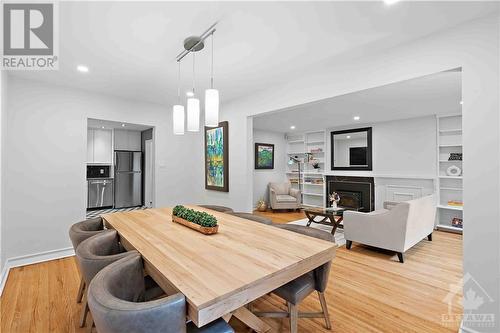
196,220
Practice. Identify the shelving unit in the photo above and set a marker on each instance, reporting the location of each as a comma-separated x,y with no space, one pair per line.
306,147
450,188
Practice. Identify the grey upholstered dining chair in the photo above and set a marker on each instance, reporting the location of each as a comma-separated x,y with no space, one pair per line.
94,254
118,303
221,209
297,290
79,232
253,217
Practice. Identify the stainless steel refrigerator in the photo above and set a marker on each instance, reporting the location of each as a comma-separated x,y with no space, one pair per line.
128,179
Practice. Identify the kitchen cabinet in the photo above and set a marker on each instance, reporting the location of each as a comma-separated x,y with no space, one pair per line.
103,146
127,140
99,146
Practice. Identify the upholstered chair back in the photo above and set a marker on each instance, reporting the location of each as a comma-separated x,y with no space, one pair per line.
280,188
322,272
80,231
116,301
99,251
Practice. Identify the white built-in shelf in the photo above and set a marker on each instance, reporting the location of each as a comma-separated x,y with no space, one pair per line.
451,207
451,131
449,228
451,188
305,173
313,194
301,144
449,139
450,145
309,205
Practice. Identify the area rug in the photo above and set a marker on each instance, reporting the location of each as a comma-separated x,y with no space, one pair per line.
339,233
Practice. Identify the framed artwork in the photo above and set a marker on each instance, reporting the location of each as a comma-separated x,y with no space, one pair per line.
264,156
216,157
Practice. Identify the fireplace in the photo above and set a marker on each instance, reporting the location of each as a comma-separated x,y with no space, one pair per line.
354,192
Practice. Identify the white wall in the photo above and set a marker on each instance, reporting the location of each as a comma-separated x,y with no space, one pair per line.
261,178
474,47
45,155
399,148
3,102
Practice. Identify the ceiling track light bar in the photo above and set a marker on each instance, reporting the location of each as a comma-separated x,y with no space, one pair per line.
195,43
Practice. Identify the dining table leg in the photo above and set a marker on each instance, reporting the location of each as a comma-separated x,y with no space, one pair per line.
251,320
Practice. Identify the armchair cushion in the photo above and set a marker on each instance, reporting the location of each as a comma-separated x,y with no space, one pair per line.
285,198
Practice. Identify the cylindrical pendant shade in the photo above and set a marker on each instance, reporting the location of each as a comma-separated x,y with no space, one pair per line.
193,114
212,107
178,119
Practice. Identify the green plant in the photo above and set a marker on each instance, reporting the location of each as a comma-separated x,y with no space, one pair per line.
191,215
261,202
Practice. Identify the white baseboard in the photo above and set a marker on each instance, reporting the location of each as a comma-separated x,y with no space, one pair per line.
32,259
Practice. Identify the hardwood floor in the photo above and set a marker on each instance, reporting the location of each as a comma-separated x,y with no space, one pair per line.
368,291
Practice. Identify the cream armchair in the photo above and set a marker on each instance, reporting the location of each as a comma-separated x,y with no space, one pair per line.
283,196
397,227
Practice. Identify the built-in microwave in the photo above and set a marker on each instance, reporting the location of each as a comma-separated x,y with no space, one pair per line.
98,171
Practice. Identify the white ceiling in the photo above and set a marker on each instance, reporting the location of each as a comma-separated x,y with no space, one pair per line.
130,47
433,94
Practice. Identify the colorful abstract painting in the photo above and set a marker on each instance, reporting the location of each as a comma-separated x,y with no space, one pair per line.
216,150
264,156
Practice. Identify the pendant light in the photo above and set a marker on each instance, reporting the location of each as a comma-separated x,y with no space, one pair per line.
212,98
193,109
178,109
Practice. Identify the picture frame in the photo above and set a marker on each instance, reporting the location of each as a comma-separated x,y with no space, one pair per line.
217,157
264,156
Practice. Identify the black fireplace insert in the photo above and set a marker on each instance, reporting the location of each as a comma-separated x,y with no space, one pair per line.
354,192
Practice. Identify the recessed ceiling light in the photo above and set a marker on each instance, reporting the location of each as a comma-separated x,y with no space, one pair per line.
189,94
123,125
82,68
390,2
348,136
292,127
356,118
102,127
461,102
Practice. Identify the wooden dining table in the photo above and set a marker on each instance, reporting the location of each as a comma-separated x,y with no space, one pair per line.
218,274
